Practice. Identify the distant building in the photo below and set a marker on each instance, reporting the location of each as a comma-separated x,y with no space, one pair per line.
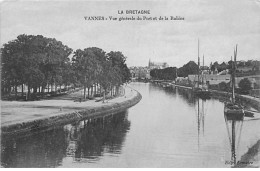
209,79
245,68
182,80
157,65
140,72
224,72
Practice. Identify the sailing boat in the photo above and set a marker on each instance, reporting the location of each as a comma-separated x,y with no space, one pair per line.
233,110
201,90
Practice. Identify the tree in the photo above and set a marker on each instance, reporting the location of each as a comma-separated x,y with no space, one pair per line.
34,61
85,64
106,77
188,69
245,85
223,86
164,74
118,60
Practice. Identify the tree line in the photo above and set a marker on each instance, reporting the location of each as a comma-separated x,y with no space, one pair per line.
38,63
170,72
191,68
164,74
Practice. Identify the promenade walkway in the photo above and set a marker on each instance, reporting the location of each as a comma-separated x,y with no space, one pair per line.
13,112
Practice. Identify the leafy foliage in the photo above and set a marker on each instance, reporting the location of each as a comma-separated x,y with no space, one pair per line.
37,62
170,72
164,74
245,85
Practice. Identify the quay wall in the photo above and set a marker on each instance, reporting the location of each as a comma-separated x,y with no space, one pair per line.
254,102
37,125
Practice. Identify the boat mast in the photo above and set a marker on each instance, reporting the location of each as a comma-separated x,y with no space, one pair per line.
231,80
198,60
234,75
202,75
235,68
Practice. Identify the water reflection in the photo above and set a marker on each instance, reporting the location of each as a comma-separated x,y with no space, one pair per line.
88,139
234,130
200,119
187,95
39,150
169,128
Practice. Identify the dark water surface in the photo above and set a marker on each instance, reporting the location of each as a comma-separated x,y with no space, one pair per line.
167,128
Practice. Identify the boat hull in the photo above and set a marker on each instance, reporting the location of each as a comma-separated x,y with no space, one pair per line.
234,114
202,94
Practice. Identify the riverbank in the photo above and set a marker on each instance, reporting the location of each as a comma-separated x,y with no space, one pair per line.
254,101
21,117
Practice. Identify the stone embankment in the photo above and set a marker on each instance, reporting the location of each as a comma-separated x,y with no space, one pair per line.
253,101
69,113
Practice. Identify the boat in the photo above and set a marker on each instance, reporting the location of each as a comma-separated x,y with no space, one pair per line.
232,109
201,90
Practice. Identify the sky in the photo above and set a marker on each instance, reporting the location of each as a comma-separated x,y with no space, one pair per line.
218,24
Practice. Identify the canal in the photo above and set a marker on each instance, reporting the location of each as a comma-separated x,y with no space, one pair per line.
167,128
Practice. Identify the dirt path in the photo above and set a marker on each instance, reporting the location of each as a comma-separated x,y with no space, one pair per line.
13,112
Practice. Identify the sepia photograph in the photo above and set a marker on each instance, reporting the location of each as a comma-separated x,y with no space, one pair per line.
130,83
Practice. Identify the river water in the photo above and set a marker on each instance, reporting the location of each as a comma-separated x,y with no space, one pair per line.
167,128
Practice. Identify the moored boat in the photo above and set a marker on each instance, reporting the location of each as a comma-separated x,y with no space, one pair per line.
201,90
233,110
202,93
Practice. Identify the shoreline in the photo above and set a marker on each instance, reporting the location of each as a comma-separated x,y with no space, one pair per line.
255,102
75,112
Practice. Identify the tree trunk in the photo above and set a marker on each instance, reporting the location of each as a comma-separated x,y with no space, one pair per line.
84,91
22,90
15,88
114,92
43,88
91,91
35,89
95,88
104,96
29,92
9,90
51,87
55,87
88,92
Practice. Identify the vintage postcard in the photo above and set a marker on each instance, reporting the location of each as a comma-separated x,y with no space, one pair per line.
130,83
